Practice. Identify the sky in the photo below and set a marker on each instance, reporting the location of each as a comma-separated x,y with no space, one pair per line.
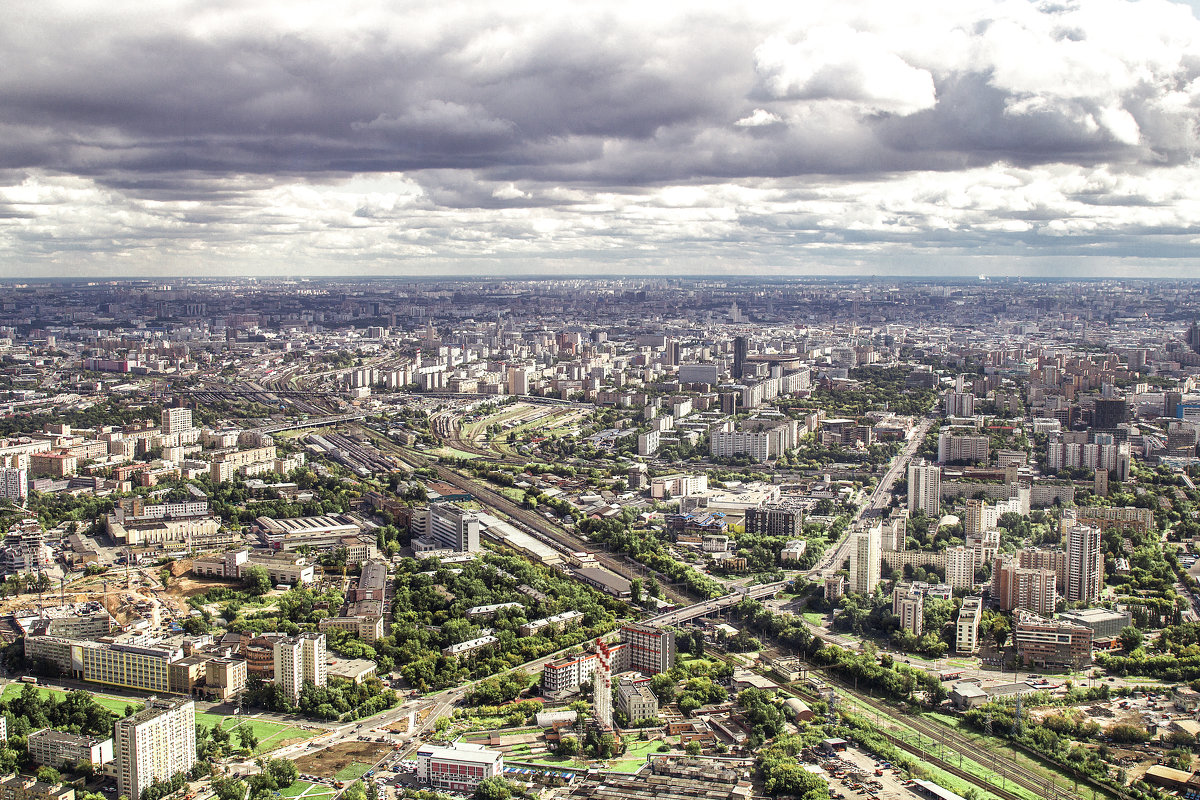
863,137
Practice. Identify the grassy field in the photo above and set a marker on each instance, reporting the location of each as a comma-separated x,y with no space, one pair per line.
352,771
114,704
635,756
308,791
516,495
450,451
270,734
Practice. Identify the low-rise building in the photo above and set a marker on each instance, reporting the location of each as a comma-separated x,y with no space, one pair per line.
61,749
469,647
459,768
635,699
1051,643
284,568
1104,623
19,787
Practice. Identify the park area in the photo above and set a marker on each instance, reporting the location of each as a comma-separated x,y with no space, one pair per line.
270,735
303,790
112,703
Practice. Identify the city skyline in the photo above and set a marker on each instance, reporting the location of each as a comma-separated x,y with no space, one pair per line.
843,140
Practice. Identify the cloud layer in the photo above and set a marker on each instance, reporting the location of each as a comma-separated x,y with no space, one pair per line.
595,136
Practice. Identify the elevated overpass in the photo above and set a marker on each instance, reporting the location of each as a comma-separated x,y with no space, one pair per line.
681,615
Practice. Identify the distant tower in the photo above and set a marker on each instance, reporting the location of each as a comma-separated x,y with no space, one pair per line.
1193,337
739,356
602,686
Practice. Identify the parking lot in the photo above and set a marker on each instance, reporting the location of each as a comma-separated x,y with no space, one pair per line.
853,773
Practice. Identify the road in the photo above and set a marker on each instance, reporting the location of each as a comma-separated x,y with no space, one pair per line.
704,608
880,498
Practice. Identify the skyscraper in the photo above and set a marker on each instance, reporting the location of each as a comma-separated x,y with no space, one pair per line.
1109,413
925,489
739,356
1085,563
1193,337
154,744
866,559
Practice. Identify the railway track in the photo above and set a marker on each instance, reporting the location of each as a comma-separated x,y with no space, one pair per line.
1039,785
532,521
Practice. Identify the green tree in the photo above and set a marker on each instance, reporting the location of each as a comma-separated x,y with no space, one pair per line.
48,775
283,772
247,737
257,580
493,789
1131,638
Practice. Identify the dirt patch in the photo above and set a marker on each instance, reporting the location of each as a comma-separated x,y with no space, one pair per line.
186,586
325,763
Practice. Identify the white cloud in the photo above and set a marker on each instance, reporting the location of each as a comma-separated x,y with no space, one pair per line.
838,63
759,118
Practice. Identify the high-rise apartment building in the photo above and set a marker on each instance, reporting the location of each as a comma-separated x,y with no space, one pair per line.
1105,517
962,447
959,404
925,488
776,520
973,517
895,532
960,567
154,744
967,628
866,559
1046,558
648,649
1085,563
176,420
518,380
1014,586
14,484
909,606
299,660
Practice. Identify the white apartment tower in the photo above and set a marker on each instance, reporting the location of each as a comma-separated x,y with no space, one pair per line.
967,630
300,660
1085,563
960,567
14,484
176,420
866,559
925,489
154,744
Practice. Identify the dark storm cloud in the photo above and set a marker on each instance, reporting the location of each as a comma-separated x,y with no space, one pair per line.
276,136
594,96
